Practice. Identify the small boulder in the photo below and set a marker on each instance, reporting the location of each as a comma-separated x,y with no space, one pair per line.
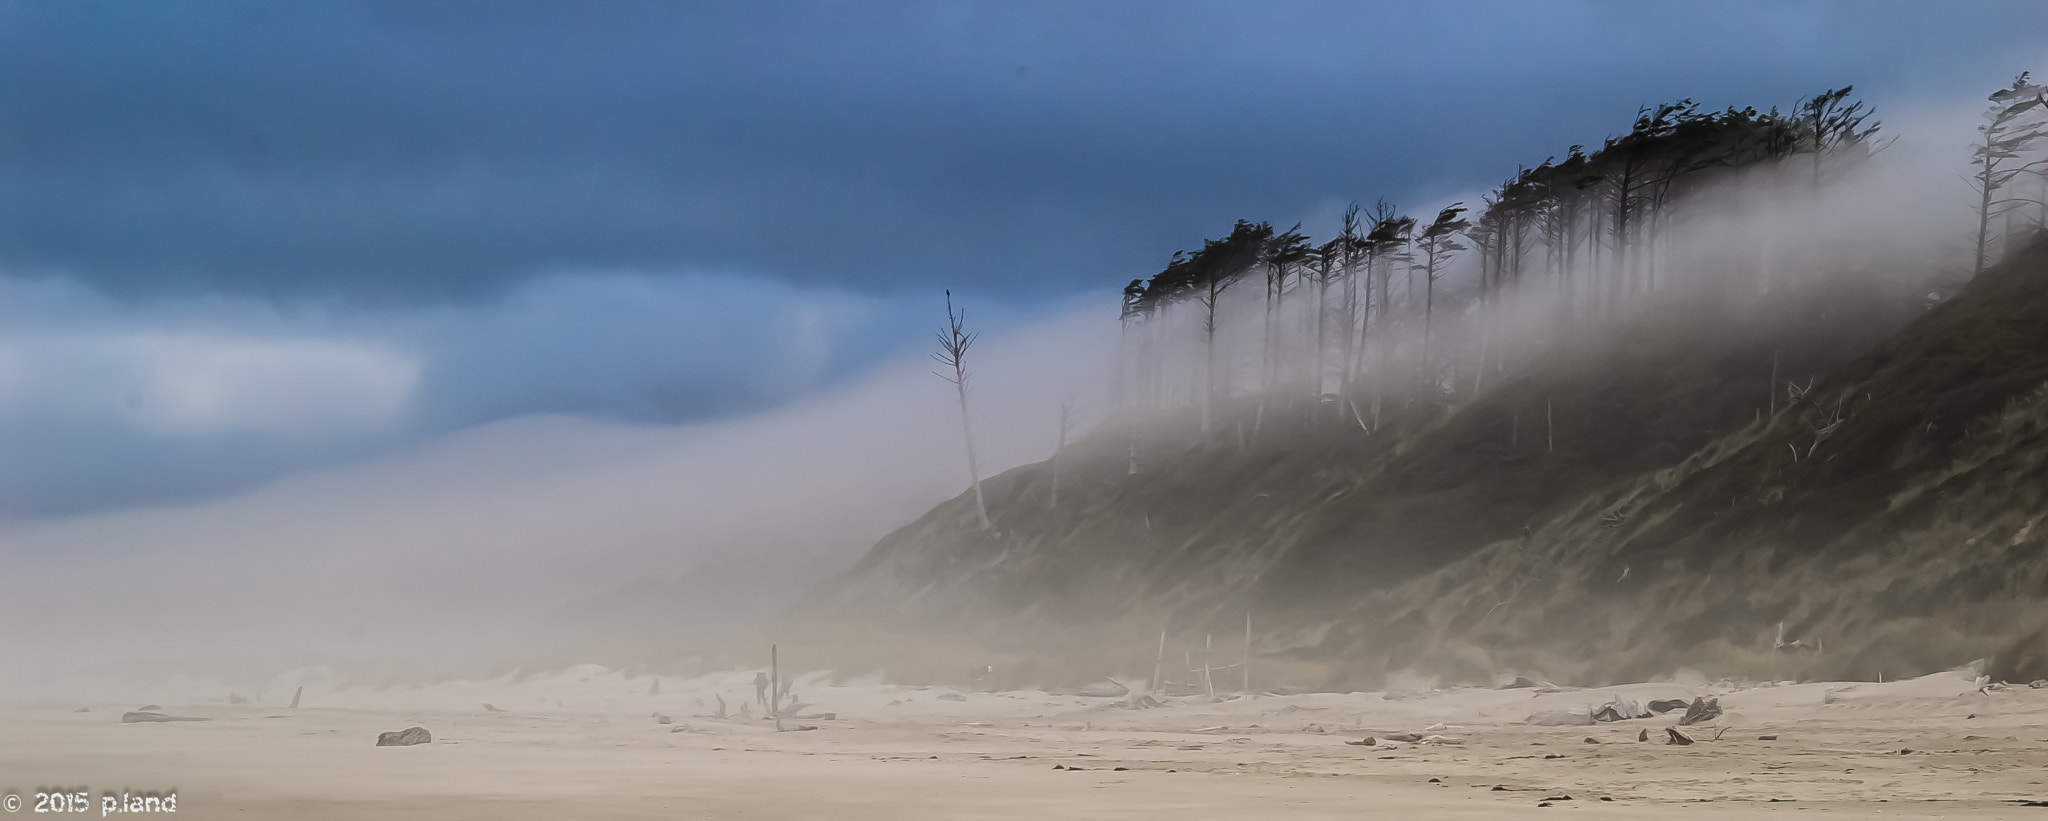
405,738
1665,705
1677,737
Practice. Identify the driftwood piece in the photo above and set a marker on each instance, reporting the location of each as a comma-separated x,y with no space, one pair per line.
1620,709
1562,718
152,717
1106,688
1702,710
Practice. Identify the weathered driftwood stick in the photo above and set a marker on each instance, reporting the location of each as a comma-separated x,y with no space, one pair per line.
1158,661
775,686
1208,643
1247,651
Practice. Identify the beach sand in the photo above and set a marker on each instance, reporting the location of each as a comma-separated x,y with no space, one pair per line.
584,743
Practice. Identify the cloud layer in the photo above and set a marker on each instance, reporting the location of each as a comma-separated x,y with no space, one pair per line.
107,402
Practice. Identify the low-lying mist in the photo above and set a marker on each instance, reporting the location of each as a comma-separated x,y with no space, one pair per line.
466,554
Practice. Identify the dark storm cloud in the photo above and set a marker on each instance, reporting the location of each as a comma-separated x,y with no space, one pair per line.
432,149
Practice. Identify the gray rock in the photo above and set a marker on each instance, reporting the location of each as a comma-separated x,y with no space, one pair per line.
405,738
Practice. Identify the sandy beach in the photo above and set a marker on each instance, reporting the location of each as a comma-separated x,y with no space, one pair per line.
586,743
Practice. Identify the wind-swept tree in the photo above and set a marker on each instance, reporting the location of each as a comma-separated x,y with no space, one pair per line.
1438,241
1830,123
1219,265
954,340
1283,253
2011,125
1387,245
1349,249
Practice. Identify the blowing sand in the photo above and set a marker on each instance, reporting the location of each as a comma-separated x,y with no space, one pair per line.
584,743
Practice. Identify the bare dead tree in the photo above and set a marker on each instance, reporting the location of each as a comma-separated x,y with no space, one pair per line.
953,344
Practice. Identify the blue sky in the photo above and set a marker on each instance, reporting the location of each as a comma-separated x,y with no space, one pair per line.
666,211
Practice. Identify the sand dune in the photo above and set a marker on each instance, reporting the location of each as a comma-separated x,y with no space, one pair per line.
583,743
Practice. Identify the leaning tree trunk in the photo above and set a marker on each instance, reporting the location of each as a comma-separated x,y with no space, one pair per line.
973,467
